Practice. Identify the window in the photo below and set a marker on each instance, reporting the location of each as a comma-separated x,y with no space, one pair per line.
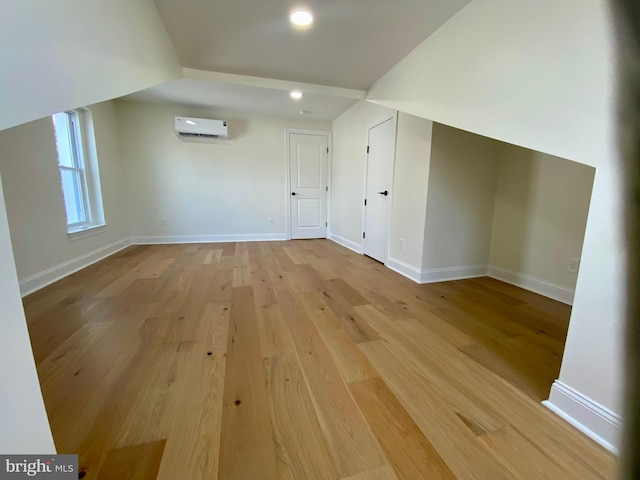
77,162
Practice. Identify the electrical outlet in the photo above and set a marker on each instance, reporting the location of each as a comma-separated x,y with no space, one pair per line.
401,243
281,178
272,221
164,222
574,265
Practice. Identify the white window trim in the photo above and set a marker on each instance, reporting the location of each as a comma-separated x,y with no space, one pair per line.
88,170
84,232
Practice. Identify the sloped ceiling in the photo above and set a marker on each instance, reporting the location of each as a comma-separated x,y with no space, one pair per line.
351,44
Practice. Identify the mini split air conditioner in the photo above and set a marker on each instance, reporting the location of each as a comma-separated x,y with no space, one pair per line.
201,127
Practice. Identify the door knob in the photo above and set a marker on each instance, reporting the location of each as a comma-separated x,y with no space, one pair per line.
293,193
385,193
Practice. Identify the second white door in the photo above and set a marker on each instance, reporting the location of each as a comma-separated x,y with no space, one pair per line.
308,157
380,159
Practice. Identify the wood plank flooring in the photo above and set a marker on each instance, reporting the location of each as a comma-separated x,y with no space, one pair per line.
300,360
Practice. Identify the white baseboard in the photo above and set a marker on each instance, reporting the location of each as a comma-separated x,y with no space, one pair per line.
240,237
40,280
533,284
405,269
433,275
356,247
597,422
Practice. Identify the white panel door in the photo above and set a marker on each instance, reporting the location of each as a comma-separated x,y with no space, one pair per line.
308,156
380,159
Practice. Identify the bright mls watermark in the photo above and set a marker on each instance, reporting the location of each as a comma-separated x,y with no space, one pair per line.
51,467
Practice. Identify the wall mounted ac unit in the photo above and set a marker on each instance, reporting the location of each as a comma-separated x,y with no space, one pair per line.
201,127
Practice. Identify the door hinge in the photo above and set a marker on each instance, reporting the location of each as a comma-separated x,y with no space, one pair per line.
363,234
327,149
367,148
365,202
326,189
326,224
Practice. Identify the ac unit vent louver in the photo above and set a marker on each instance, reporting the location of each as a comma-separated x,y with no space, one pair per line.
201,127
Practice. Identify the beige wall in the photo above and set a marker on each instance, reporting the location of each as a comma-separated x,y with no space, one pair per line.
70,53
58,56
472,74
348,168
540,214
204,188
462,186
25,427
35,206
411,177
541,75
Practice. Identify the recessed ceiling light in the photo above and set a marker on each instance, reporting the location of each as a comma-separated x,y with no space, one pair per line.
190,122
296,94
301,18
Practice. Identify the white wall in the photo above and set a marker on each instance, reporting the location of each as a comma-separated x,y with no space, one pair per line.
409,192
348,168
411,178
473,74
540,215
205,189
537,74
34,201
462,187
57,56
25,428
69,53
593,364
540,74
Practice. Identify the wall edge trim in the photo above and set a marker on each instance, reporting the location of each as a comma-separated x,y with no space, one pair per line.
39,280
405,269
345,242
433,275
594,420
238,237
533,284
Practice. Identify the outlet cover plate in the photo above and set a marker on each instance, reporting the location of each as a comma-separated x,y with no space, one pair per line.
574,265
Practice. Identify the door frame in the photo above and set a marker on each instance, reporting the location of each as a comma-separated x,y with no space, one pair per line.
379,120
287,175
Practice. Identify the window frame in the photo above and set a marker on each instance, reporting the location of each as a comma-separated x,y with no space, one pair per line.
72,119
87,199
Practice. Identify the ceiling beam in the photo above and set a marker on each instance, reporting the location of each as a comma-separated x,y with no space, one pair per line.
261,82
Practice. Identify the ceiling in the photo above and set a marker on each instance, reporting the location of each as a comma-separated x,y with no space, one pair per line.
351,44
233,97
244,56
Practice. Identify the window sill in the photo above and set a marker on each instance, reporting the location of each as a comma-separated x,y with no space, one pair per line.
85,232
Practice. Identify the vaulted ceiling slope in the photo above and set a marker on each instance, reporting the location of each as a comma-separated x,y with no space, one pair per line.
352,42
235,97
60,55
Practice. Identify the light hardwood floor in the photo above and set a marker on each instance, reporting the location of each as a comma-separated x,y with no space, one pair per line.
300,360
